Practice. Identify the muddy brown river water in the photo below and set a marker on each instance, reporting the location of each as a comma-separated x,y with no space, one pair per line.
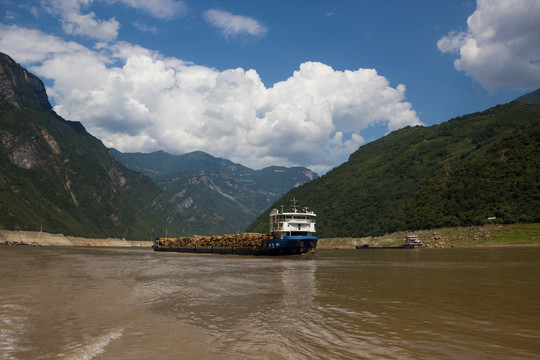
129,303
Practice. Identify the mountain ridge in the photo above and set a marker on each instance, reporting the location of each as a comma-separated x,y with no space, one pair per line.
160,163
363,196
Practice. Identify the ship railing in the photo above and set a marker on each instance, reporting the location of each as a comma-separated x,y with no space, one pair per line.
298,221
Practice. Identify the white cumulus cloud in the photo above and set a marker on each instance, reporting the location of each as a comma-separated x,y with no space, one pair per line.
232,25
75,22
135,99
501,47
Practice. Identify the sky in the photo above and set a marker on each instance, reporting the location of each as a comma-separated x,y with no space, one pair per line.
271,82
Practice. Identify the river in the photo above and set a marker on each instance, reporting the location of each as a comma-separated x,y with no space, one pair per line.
130,303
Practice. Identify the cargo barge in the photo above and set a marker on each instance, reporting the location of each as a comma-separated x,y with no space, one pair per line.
290,233
411,242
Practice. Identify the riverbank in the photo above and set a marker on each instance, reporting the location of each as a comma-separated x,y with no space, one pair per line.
38,238
470,236
462,236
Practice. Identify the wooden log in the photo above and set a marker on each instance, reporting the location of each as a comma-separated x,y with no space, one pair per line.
227,240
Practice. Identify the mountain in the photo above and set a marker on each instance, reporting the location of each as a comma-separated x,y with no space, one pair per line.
530,97
460,172
502,185
213,195
19,88
56,177
160,163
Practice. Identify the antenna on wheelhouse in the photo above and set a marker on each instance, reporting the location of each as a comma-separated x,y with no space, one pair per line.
294,207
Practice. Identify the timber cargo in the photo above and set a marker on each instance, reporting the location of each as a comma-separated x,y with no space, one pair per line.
291,233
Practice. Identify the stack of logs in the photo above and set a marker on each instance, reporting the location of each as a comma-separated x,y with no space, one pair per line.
236,240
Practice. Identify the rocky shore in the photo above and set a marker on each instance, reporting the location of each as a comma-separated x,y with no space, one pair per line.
38,238
462,236
471,236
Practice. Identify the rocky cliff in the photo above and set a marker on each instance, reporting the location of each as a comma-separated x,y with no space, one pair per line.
56,177
20,88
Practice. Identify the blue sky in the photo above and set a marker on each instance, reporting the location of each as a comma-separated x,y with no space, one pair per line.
293,83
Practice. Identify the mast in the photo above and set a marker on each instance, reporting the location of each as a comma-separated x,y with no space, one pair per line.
294,207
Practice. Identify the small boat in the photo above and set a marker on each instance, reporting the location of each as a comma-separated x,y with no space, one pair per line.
290,233
411,242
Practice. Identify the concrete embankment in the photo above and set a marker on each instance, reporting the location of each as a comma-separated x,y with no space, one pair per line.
46,239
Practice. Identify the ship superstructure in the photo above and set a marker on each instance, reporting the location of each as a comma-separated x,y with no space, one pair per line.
293,230
292,223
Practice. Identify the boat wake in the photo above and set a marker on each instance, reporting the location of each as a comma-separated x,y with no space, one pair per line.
94,347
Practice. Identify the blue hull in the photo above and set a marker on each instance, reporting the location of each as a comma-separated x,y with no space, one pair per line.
289,245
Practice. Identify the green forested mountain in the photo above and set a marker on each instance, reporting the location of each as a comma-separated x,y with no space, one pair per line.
502,185
56,177
213,195
457,173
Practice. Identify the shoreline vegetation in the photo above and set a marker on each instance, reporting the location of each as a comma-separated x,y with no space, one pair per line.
462,236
